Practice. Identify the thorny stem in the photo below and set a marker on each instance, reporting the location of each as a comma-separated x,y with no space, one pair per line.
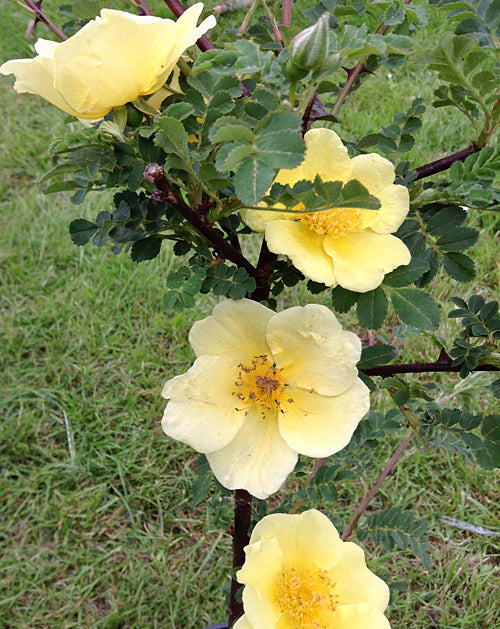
241,537
286,15
154,174
263,288
385,472
445,162
443,363
36,8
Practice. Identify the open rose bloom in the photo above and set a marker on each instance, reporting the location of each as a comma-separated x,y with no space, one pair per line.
299,574
351,247
111,61
266,387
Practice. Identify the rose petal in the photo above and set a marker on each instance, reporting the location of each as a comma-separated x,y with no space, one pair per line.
303,246
319,426
257,459
362,259
236,330
314,351
201,410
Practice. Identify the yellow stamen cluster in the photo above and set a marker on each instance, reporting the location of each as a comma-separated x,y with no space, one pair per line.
261,384
306,598
334,222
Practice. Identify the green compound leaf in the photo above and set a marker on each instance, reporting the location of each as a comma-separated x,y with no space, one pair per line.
489,457
172,137
398,528
343,300
416,308
82,231
146,248
374,355
404,275
457,239
372,309
251,180
459,266
216,61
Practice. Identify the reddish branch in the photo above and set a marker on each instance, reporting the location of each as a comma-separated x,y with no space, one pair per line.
36,8
241,527
286,15
369,496
443,363
445,162
154,173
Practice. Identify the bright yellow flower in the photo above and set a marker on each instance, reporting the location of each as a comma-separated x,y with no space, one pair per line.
346,246
111,61
299,574
265,387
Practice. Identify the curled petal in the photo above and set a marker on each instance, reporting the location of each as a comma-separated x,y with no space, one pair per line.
354,582
394,204
326,156
373,171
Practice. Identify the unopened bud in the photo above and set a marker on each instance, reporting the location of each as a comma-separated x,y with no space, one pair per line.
309,49
153,173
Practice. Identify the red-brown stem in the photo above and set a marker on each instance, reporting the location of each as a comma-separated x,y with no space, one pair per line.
443,363
177,9
286,15
263,288
385,472
144,8
241,537
319,464
35,7
154,174
445,162
355,72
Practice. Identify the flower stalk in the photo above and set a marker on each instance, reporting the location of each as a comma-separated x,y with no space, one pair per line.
370,495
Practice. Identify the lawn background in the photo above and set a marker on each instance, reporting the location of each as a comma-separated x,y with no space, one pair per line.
97,525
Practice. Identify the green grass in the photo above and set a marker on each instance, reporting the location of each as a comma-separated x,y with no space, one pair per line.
98,529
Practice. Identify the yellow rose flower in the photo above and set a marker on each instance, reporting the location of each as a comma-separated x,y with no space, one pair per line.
111,61
266,387
299,574
346,246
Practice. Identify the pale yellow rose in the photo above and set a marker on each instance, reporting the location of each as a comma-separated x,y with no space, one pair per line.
349,247
111,61
266,387
299,574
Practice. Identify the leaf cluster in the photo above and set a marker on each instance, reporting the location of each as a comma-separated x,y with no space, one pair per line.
480,336
473,436
435,234
204,274
397,528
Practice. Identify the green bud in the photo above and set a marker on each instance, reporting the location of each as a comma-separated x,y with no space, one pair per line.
309,49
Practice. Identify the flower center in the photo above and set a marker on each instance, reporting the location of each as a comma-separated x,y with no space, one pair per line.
306,599
261,384
333,222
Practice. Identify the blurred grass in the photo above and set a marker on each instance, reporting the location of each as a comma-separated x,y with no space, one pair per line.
97,529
